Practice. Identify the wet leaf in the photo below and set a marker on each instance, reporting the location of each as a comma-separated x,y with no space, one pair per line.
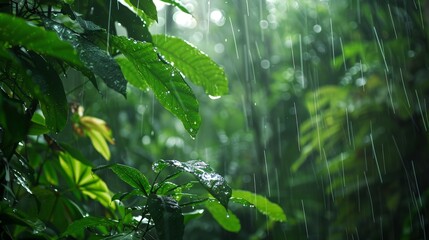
270,209
11,215
167,215
17,32
177,4
131,74
193,63
147,6
78,226
192,215
215,184
129,175
169,87
44,83
82,178
95,59
226,219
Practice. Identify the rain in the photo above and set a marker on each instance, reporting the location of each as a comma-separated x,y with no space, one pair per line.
326,114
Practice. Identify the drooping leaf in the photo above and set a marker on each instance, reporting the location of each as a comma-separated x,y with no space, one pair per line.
226,219
98,131
46,86
265,206
129,175
96,59
84,180
78,226
15,31
177,4
167,216
215,184
193,63
166,82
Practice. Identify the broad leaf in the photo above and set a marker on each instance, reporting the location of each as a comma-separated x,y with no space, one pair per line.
129,175
213,182
177,4
96,59
167,215
44,84
10,215
147,6
78,226
226,219
84,180
272,210
166,82
130,72
193,63
15,31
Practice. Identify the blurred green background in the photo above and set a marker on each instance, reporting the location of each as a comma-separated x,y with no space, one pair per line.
327,115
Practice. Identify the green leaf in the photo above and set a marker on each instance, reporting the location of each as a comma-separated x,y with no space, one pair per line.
193,63
99,143
147,6
11,215
78,226
177,4
84,180
129,175
215,184
192,215
270,209
37,125
167,215
48,88
97,60
17,32
130,72
166,82
226,219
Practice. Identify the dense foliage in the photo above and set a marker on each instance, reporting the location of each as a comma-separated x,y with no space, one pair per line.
50,187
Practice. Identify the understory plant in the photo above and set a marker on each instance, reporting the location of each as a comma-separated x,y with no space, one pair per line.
49,188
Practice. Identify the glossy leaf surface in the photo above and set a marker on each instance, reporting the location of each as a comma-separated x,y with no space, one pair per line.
193,63
225,218
215,184
166,82
265,206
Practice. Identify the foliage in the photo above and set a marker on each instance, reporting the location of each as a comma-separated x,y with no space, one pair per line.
49,188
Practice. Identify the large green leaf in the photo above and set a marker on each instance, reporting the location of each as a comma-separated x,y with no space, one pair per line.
166,82
167,215
147,6
193,63
226,219
272,210
9,215
78,226
84,180
95,59
213,182
129,175
15,31
45,84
